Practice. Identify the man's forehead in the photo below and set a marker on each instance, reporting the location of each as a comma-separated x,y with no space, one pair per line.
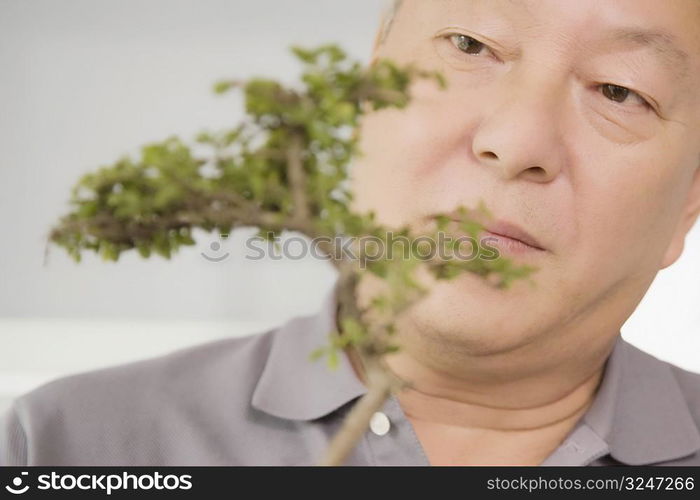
529,6
667,43
664,43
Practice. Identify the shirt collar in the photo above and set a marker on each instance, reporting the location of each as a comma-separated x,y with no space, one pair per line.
294,387
639,409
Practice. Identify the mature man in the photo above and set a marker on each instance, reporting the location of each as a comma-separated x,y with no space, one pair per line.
578,124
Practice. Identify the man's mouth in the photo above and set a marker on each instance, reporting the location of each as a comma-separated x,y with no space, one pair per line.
510,237
504,235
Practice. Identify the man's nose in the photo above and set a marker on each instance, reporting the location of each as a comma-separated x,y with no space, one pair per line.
520,134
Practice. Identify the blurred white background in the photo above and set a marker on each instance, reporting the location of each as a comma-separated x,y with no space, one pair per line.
83,82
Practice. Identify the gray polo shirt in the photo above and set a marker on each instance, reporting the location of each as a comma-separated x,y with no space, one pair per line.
258,400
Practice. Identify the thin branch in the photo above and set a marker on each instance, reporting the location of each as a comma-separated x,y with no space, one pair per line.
380,381
357,421
297,180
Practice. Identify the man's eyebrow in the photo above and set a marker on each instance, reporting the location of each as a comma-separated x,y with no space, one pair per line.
662,42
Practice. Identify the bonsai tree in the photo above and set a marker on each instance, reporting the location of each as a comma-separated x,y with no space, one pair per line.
285,167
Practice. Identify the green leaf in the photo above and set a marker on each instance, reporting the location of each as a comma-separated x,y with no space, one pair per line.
144,250
305,55
109,251
333,359
352,331
222,87
317,353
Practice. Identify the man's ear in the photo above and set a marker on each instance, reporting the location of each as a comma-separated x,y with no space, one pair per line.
686,222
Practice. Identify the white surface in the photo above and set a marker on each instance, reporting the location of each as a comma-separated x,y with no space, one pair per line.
83,82
667,321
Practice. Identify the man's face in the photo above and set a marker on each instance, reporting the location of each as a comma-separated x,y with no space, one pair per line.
567,119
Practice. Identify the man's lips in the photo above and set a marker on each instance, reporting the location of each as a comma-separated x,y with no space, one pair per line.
513,232
512,236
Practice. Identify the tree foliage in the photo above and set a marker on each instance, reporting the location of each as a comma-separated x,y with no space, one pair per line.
285,167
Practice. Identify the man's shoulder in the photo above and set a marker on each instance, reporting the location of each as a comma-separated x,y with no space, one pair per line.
194,369
195,405
689,383
163,409
688,380
684,383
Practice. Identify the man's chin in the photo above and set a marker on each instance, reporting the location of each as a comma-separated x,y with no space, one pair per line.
471,316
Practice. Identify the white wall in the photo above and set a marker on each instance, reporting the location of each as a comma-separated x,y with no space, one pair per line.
83,82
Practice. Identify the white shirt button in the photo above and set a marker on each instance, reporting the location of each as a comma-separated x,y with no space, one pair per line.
379,424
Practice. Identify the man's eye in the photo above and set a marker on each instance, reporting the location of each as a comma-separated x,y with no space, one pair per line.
467,44
620,94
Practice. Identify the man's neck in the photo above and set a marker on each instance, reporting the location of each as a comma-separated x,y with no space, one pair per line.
468,422
435,397
507,400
